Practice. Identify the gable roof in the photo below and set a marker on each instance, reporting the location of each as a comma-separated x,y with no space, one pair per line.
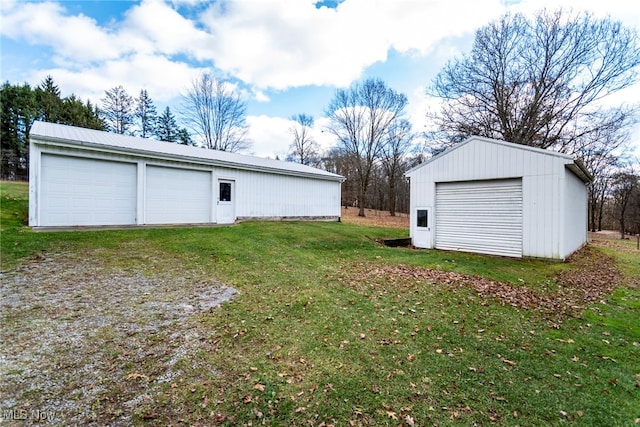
574,165
76,137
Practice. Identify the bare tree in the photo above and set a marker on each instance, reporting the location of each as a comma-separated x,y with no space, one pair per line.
117,110
394,151
216,113
360,119
304,149
624,185
539,82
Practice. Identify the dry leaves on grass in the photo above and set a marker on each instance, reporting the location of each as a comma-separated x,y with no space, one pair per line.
592,277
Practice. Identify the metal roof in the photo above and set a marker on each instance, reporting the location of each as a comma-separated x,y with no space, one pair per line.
574,165
76,137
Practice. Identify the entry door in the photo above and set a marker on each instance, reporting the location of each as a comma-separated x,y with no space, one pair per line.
422,236
226,202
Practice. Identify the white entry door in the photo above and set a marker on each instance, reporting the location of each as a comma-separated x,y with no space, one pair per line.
422,236
226,212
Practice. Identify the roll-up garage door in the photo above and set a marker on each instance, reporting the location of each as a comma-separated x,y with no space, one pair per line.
80,191
480,216
177,196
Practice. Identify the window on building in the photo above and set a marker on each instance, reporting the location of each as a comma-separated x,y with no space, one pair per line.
225,191
423,218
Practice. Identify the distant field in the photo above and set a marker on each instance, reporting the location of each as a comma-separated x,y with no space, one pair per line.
309,323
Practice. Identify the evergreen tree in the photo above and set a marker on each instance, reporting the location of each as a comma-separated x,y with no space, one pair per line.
49,101
167,129
17,113
75,113
146,115
184,137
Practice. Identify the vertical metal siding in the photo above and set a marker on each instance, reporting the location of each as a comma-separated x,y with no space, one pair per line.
480,216
271,195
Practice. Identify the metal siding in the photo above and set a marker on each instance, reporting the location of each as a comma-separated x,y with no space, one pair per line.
272,195
76,191
576,215
480,216
177,196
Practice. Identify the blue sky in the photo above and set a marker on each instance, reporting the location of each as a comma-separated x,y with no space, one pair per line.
285,56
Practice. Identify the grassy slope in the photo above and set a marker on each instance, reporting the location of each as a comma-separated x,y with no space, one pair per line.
309,341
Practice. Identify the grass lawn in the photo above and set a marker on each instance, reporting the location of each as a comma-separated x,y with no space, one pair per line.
331,328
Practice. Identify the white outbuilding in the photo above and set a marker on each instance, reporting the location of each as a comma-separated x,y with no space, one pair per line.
84,177
495,197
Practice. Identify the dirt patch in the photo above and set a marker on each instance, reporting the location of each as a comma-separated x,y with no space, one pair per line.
593,277
375,218
84,345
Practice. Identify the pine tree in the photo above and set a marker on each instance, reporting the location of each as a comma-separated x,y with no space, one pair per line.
184,137
50,103
167,129
146,114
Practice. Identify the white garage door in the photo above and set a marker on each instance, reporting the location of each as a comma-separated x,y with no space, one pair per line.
177,196
76,191
480,216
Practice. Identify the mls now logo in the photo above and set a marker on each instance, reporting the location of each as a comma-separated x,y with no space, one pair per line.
23,414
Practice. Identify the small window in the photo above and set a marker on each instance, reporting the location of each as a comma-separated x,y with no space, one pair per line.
225,191
423,218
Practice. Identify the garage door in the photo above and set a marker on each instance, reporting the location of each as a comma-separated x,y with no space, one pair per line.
480,216
177,196
76,191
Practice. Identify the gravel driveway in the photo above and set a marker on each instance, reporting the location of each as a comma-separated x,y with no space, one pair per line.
84,344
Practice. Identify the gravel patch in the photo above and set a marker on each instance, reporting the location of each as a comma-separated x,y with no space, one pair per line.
82,344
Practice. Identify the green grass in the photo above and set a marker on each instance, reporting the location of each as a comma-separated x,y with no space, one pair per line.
312,340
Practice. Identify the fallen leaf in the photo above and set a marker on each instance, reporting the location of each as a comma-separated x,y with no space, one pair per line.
259,387
409,421
392,415
136,376
508,362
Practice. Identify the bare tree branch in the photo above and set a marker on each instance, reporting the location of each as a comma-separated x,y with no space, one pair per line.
216,114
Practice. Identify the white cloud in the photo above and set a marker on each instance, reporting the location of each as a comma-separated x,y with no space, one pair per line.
169,79
155,27
77,37
280,44
269,135
628,12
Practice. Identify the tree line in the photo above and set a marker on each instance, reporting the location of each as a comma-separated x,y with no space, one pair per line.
540,82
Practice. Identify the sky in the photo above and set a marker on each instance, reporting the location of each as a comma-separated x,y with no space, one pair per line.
285,57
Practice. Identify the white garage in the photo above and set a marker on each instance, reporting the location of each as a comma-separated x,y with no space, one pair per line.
83,177
494,197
